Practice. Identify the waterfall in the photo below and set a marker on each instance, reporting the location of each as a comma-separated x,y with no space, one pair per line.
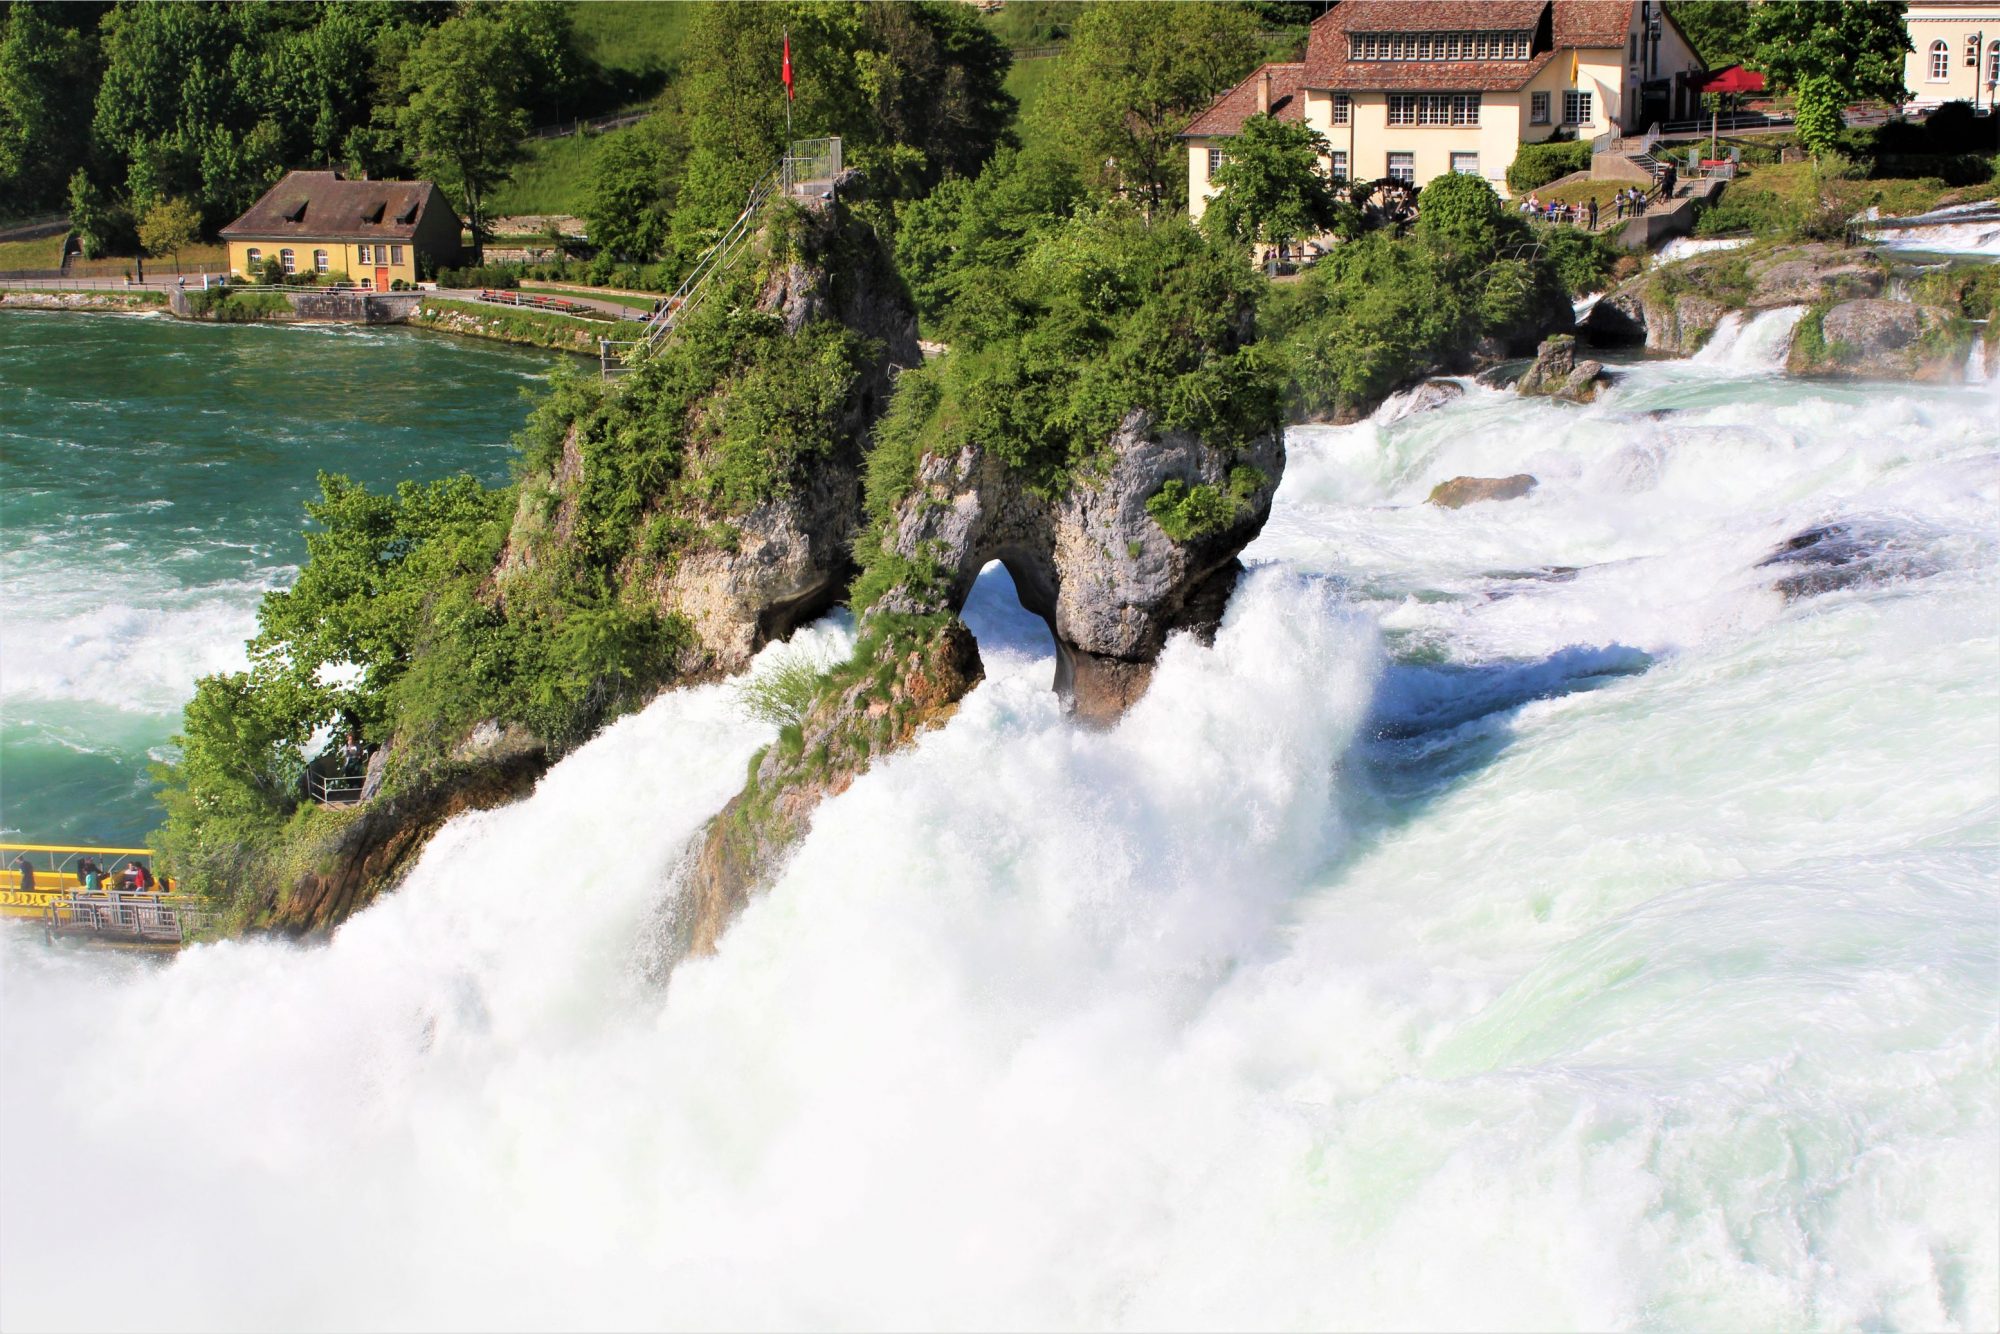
1754,346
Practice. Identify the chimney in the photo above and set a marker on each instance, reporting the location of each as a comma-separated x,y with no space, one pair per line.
1264,91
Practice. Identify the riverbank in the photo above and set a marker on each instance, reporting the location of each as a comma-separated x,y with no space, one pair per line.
90,301
527,328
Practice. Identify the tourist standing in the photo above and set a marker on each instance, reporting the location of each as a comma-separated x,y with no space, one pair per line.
27,870
1592,213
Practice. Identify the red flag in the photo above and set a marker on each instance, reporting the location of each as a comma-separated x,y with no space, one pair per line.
788,67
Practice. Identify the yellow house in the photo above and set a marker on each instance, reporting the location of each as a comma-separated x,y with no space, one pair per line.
1412,89
370,232
1955,53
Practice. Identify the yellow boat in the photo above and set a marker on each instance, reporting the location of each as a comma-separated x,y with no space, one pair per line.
53,895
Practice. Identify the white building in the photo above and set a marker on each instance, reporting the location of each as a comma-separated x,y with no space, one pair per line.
1955,53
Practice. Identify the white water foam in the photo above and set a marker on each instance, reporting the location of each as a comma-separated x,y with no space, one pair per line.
1757,346
1623,958
1682,247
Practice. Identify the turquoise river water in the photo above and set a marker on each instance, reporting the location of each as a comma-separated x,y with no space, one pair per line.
1522,917
154,475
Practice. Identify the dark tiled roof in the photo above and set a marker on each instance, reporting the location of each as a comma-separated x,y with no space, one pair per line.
1227,113
326,206
1444,15
1590,23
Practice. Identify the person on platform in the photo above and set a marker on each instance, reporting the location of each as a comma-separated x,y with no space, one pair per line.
91,875
27,870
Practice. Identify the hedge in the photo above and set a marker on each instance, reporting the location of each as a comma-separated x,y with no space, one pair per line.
1535,165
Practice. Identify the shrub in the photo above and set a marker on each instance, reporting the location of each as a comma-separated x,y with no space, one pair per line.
481,275
1535,165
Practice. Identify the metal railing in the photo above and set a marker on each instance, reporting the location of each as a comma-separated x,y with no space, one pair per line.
128,919
335,789
806,165
1735,122
1611,141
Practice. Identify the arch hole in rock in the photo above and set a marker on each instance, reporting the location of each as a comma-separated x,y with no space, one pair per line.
1010,636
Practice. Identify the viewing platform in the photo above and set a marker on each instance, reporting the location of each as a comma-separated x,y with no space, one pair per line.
99,896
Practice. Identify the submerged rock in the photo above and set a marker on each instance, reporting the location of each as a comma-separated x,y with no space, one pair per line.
1462,491
1827,558
1428,397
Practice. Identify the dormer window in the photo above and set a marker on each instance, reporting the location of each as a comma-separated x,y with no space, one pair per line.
374,214
407,216
297,212
1439,45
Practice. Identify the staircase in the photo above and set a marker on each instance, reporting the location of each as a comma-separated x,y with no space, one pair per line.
808,165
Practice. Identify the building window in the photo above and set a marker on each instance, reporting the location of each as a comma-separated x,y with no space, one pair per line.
289,260
1465,164
1434,108
1632,48
1403,167
1214,162
1343,108
1972,52
253,257
1340,164
1993,63
319,261
395,254
1940,62
1439,45
1576,108
1538,108
367,255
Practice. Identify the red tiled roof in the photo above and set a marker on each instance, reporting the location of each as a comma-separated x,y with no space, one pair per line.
1587,23
326,206
1227,113
1444,15
1592,22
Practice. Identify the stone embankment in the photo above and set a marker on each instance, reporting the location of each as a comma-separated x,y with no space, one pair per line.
127,302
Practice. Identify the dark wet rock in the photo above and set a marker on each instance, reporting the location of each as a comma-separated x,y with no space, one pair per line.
1556,373
1503,376
1462,491
1827,558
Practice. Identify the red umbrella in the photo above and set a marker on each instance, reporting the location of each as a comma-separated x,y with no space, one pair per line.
1732,79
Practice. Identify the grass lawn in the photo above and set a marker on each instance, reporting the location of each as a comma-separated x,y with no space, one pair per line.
626,299
43,254
1028,78
633,36
1789,183
553,178
1604,192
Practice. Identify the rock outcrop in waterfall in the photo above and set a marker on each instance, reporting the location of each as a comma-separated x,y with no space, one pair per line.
1112,440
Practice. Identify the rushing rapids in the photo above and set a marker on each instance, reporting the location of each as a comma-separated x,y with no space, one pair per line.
1523,915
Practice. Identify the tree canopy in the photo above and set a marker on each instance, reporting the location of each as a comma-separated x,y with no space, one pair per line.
461,119
1131,79
1272,188
1858,45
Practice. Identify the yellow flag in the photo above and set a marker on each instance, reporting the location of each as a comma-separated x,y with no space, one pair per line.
1572,69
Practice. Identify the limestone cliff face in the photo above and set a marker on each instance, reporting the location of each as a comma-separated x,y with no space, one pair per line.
1095,564
750,576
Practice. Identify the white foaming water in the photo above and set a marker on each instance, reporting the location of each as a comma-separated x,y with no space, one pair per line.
1757,346
1961,229
1681,247
1522,917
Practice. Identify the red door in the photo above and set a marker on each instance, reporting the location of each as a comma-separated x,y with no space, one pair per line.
381,280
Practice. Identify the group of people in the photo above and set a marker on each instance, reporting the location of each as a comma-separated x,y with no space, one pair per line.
92,878
1627,203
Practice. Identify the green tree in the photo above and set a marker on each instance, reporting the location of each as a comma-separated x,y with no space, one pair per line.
1132,78
168,227
1272,189
461,120
634,179
46,78
1858,45
1459,214
1819,106
1719,29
